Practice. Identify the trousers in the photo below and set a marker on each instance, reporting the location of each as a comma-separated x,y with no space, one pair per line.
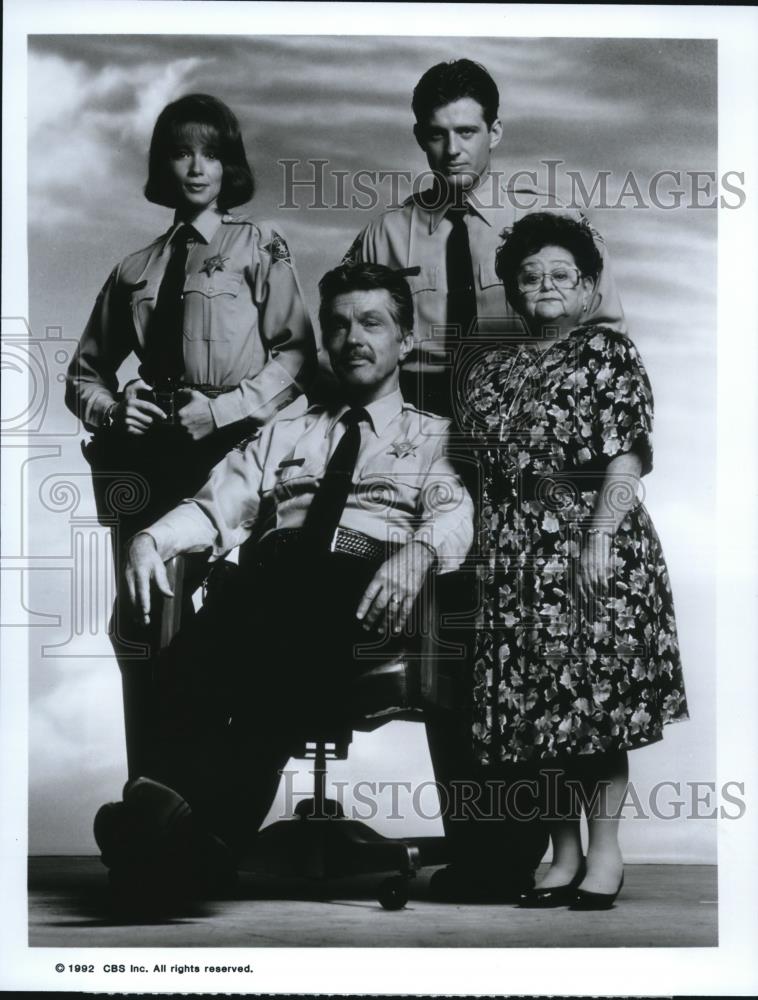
136,480
265,665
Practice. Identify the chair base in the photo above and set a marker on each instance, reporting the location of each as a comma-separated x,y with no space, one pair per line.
327,846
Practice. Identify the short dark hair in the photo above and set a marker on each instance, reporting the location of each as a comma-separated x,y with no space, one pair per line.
450,81
366,278
541,229
237,185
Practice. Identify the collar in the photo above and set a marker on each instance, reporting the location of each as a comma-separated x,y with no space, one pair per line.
481,201
381,412
205,225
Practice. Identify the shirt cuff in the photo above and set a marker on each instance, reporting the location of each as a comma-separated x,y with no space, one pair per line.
255,399
184,529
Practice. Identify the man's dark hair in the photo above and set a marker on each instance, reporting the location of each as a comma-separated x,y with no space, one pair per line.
450,81
237,185
367,278
541,229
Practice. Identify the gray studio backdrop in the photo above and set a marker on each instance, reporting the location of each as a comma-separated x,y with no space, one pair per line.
643,106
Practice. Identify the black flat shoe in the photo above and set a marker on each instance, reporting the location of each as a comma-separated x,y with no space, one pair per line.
585,900
557,895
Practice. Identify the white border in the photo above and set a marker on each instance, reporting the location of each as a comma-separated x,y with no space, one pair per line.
731,967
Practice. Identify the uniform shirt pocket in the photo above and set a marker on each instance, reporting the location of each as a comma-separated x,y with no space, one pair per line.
424,281
387,493
291,478
487,274
210,305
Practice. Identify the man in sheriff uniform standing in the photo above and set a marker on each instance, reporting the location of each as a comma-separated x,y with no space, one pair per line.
448,234
353,506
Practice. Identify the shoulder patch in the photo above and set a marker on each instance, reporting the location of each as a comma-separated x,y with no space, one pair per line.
354,254
277,248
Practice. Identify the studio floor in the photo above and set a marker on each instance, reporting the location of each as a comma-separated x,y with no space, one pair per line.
660,906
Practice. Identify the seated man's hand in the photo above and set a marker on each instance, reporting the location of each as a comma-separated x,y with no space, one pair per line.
390,596
144,566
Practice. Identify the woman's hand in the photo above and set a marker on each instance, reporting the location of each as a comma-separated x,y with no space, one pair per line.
143,568
135,415
595,564
390,596
196,416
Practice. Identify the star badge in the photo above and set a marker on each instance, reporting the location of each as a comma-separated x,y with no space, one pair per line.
211,264
402,449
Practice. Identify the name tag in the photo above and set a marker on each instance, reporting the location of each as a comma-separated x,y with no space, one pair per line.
290,462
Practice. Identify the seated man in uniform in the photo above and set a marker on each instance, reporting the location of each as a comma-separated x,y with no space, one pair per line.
353,507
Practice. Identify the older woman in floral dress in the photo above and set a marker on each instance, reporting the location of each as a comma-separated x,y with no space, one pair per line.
577,658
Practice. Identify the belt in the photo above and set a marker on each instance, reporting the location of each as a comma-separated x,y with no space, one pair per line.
168,396
207,390
347,541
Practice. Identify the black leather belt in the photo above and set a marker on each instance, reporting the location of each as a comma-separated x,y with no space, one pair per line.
207,390
170,398
345,540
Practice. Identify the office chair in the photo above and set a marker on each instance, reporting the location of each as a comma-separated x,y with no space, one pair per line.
319,841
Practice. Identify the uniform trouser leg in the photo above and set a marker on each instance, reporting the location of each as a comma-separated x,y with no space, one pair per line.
490,815
137,649
219,737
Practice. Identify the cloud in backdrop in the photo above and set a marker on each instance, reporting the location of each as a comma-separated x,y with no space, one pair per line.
593,104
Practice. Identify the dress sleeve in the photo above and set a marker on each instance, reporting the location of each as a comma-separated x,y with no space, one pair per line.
623,398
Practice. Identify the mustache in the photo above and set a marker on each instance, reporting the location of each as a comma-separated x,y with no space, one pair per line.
355,354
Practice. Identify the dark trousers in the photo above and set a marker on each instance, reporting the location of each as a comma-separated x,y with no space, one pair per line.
491,814
267,664
136,480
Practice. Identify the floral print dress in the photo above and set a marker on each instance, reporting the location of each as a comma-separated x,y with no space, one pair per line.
555,675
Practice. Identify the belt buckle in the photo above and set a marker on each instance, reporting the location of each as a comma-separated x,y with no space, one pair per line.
333,543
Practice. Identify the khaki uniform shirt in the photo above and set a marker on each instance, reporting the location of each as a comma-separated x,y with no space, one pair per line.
245,322
416,234
404,487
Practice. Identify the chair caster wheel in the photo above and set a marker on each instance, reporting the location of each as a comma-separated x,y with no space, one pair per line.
393,893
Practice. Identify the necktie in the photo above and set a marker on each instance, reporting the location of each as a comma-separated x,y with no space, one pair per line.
164,355
325,511
461,293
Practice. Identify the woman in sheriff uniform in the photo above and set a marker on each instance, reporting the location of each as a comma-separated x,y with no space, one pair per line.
214,313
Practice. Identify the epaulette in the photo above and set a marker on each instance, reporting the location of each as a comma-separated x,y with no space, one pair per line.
230,219
424,413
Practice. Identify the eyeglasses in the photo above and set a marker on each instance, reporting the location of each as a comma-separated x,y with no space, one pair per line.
529,280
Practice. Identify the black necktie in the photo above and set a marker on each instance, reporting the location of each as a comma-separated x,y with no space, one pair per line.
461,292
323,515
164,354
